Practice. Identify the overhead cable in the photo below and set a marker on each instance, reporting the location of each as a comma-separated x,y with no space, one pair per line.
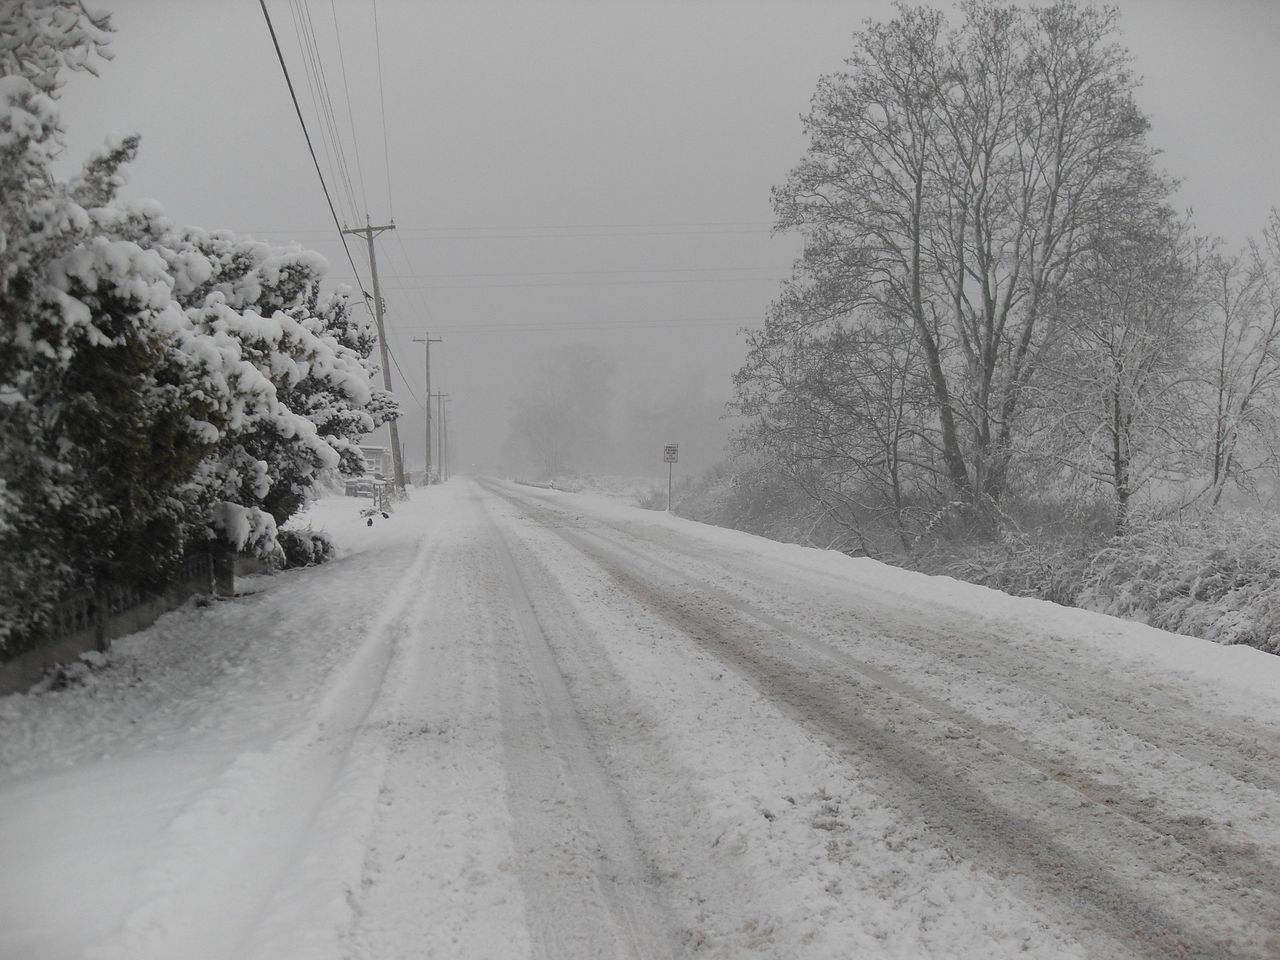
403,377
327,146
549,231
322,100
382,102
416,287
332,116
522,284
590,326
310,147
355,138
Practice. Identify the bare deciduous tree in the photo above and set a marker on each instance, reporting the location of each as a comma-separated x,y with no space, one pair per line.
843,412
1120,407
1243,351
952,180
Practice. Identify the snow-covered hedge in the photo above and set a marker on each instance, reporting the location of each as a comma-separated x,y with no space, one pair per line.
161,388
305,548
1025,565
1219,580
1215,577
744,493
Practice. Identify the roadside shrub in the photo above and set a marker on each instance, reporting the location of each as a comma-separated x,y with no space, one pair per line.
305,548
737,494
1041,547
1025,565
654,498
1219,580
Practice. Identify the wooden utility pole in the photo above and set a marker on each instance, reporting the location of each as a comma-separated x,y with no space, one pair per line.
426,342
440,437
446,453
369,232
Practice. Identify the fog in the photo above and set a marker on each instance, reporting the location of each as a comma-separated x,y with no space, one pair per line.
576,180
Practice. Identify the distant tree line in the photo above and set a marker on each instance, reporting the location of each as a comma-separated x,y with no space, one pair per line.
574,411
997,303
162,389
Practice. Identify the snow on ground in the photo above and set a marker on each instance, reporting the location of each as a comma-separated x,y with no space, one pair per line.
120,799
512,722
1147,648
627,489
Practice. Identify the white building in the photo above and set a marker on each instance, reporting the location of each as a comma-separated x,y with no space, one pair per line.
377,460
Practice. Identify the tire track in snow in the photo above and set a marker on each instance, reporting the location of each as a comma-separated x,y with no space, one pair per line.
1235,863
1171,723
857,715
280,889
438,878
944,796
1238,749
589,890
1236,845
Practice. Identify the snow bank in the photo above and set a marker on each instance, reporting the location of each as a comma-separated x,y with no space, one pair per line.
1110,638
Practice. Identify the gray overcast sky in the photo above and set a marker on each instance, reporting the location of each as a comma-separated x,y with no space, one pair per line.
580,171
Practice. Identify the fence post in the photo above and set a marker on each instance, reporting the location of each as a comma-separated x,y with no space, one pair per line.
100,642
224,571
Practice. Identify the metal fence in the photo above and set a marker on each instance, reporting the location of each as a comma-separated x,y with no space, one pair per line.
90,619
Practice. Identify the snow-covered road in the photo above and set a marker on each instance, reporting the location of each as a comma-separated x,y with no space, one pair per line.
518,723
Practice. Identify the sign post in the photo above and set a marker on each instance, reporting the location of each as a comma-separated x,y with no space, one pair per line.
671,454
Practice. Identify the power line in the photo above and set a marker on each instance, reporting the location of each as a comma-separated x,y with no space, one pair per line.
310,147
309,72
404,379
394,362
404,254
355,139
325,105
597,272
591,235
534,231
324,101
519,326
386,153
332,113
520,285
611,225
418,295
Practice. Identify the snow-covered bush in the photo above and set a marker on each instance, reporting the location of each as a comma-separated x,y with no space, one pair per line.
652,498
305,548
92,410
160,388
305,374
746,493
1025,565
1219,580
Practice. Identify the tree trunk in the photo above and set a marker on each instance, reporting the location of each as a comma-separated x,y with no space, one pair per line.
1120,474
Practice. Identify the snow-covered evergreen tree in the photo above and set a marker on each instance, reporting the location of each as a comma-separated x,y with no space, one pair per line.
79,370
159,387
314,400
